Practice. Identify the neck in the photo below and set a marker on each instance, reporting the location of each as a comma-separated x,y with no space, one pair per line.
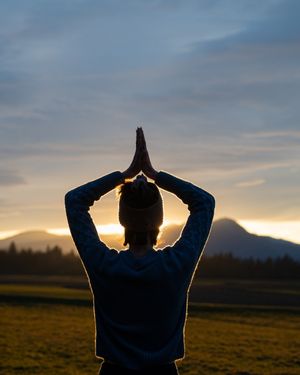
140,250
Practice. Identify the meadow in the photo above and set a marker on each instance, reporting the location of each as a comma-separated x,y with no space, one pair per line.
48,328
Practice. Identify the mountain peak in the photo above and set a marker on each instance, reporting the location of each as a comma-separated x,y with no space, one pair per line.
32,234
228,225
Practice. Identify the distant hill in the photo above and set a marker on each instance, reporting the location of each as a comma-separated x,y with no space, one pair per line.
39,240
226,236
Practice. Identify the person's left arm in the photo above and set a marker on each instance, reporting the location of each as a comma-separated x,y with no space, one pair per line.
79,200
77,204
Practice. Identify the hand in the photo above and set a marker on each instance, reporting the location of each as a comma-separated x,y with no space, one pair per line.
136,164
146,163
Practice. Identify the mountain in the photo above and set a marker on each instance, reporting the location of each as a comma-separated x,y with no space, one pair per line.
39,240
226,236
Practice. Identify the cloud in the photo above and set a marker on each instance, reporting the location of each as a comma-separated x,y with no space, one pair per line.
243,78
57,151
10,177
214,83
15,89
251,183
286,133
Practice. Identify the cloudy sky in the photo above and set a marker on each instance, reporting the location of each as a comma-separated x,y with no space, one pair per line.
214,84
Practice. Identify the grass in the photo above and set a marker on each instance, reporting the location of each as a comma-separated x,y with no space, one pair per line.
43,291
38,337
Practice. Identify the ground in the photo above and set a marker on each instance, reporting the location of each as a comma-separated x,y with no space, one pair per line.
49,329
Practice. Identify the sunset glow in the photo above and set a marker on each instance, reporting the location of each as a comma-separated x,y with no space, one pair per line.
8,233
287,230
101,229
108,229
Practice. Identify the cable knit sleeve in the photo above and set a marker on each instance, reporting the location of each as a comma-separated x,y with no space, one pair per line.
77,204
187,250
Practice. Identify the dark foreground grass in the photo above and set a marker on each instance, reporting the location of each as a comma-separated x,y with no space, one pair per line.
59,339
39,337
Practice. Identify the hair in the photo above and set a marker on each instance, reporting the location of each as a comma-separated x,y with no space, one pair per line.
142,197
140,238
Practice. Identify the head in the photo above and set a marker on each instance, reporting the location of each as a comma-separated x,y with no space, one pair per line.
140,211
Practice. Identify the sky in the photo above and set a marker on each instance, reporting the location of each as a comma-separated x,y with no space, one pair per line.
214,84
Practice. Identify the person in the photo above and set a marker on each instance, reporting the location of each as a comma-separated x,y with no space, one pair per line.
140,294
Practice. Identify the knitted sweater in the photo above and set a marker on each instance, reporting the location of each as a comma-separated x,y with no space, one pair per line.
140,304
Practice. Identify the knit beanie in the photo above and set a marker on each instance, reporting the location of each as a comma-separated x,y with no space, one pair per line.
141,219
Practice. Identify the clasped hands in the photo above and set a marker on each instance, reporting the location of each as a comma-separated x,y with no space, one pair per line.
141,160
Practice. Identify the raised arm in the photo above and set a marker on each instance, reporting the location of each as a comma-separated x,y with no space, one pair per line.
188,248
201,204
78,202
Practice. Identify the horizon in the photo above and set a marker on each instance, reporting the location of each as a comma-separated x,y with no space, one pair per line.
287,231
215,86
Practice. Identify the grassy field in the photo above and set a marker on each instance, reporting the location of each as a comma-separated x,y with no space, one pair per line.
48,329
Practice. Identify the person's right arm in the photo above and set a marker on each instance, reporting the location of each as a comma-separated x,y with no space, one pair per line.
189,247
187,250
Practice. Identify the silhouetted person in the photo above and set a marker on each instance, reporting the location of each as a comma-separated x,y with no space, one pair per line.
140,294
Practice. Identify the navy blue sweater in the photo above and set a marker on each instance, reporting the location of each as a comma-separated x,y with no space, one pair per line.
140,304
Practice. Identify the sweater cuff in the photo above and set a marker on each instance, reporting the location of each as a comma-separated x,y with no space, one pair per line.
118,177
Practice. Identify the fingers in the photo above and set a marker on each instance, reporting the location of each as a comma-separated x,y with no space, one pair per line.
140,139
143,154
143,141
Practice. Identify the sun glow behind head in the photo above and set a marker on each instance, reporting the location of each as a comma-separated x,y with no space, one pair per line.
106,229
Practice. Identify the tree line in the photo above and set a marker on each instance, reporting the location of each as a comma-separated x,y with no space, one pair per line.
53,261
27,261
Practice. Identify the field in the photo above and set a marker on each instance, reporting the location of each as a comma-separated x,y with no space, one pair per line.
47,328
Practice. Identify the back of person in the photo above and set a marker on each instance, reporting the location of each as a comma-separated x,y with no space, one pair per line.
140,302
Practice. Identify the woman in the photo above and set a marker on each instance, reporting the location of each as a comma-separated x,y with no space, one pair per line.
140,294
